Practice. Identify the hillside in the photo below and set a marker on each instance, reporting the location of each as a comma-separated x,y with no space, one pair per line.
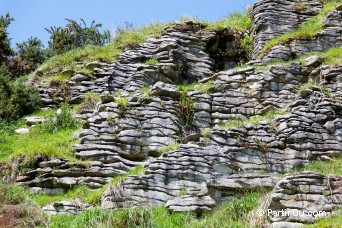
186,124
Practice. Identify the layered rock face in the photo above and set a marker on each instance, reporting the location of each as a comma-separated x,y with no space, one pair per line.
185,53
306,197
330,37
272,18
219,147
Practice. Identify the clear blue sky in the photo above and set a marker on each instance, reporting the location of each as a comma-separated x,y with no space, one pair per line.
32,16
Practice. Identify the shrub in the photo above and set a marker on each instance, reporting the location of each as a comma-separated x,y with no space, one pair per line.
62,121
16,99
76,35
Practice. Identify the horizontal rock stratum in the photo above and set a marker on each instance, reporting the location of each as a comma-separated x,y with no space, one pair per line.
204,130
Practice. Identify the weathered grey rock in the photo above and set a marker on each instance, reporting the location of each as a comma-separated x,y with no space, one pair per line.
66,207
272,18
164,90
305,197
329,37
30,121
22,131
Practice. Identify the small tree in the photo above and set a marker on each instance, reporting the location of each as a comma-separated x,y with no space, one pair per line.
30,54
76,35
5,48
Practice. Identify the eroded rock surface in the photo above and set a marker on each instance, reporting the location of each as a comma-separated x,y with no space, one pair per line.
306,197
330,37
272,18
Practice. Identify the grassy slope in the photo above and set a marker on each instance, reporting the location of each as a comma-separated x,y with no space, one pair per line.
306,31
126,38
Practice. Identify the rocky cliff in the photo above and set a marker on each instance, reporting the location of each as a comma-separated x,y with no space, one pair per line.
224,132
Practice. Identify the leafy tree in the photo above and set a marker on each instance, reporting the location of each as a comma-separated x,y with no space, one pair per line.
76,35
5,49
30,54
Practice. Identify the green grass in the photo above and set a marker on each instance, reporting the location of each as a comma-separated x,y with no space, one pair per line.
253,120
206,132
135,36
231,214
89,102
122,101
168,148
145,90
88,54
329,222
152,62
325,167
108,53
52,138
306,31
201,87
238,21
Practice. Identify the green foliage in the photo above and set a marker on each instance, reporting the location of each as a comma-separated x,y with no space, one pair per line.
11,194
145,90
16,99
325,91
306,31
122,101
5,47
206,132
29,56
253,120
201,87
76,35
152,62
238,21
187,107
333,56
246,45
62,121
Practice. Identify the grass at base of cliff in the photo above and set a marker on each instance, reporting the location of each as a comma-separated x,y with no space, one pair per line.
235,213
306,31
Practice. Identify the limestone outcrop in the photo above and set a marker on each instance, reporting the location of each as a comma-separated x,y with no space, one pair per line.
304,198
330,37
236,130
272,18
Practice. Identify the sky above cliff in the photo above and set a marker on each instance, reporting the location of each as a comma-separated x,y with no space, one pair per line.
32,16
